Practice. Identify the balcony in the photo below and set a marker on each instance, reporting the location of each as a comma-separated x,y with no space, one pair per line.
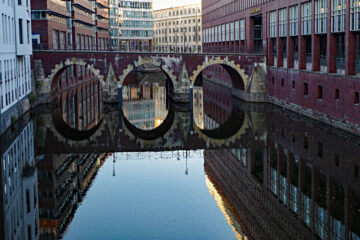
340,65
84,4
102,24
102,12
103,3
57,6
296,60
357,67
323,63
82,17
308,62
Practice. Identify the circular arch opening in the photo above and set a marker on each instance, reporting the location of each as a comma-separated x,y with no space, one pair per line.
221,73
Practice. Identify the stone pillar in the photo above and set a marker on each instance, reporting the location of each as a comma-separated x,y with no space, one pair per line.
350,47
302,44
331,43
250,35
270,55
290,52
280,55
315,42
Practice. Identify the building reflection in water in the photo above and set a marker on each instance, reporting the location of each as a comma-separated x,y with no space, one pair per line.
63,182
212,105
294,187
81,106
145,103
19,210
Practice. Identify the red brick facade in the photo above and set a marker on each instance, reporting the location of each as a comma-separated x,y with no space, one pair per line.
86,27
314,70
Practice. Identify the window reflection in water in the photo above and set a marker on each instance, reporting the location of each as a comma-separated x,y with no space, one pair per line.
144,102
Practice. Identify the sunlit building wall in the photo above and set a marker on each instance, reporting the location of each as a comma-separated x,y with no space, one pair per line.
178,29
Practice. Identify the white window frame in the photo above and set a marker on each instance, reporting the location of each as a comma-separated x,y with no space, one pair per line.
338,8
283,22
236,30
321,16
273,24
355,15
294,20
306,18
242,29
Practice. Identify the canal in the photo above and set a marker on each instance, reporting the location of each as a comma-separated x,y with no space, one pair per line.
154,169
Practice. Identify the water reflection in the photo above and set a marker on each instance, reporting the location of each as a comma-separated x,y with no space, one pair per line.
19,213
79,110
212,105
283,177
63,182
144,100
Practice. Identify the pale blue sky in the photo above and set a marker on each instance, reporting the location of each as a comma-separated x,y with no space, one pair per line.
160,4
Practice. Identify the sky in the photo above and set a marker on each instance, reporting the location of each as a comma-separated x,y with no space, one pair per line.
160,4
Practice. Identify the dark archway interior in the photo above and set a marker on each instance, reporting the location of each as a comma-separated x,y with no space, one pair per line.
68,132
229,128
222,72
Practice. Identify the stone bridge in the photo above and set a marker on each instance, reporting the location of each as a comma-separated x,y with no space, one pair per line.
247,71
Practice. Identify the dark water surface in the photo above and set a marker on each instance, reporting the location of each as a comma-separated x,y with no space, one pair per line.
157,170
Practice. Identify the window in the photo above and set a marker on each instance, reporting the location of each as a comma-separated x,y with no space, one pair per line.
283,22
242,29
355,15
306,18
320,16
356,98
21,35
282,82
320,149
223,32
28,31
294,20
232,29
320,92
227,32
338,15
273,24
306,89
237,31
337,94
293,84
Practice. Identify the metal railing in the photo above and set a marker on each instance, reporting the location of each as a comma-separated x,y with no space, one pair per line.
308,59
340,65
357,67
323,63
145,49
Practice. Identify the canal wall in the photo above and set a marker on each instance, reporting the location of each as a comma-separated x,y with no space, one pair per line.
10,116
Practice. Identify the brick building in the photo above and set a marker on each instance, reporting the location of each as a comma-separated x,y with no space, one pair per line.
312,50
71,24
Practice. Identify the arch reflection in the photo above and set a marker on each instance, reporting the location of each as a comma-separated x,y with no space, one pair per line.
79,110
144,96
214,113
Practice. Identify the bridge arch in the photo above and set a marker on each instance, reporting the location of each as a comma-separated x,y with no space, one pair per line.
148,60
230,66
60,68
